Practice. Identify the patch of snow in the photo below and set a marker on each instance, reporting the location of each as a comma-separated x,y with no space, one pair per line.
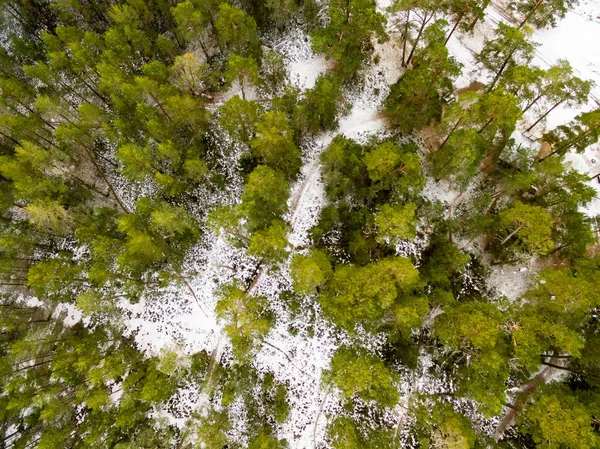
70,313
306,202
361,123
303,74
439,191
30,301
511,281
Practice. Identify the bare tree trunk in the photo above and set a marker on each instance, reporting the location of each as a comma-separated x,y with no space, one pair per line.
537,5
526,391
405,38
424,22
518,228
502,68
543,116
450,133
106,180
462,14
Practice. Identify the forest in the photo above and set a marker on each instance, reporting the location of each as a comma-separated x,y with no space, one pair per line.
296,224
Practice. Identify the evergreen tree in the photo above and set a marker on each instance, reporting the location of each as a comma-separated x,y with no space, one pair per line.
510,47
347,37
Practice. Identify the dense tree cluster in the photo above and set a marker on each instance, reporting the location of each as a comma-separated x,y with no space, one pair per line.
130,130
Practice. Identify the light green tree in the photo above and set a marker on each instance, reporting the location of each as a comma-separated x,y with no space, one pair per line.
529,229
264,198
395,223
247,318
310,272
243,70
357,373
270,245
274,145
363,295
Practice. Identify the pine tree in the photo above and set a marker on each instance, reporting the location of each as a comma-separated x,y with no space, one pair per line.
274,146
247,319
310,272
347,37
510,47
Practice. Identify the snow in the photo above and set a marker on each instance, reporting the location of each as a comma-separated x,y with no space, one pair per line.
511,281
361,122
307,198
573,39
70,313
304,74
439,191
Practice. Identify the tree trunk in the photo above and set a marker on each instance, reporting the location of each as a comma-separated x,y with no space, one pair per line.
518,228
488,123
412,52
108,183
543,116
565,147
537,5
450,133
460,17
502,68
528,389
534,101
405,38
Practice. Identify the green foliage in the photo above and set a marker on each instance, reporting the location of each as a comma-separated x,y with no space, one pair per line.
395,223
310,272
239,118
192,75
280,11
395,168
154,234
264,199
476,328
358,373
460,156
529,229
82,82
322,104
578,134
543,14
345,432
440,426
237,32
558,419
360,296
553,314
342,168
270,245
471,325
212,429
273,72
442,261
417,99
56,278
347,37
265,441
243,70
510,47
247,318
274,146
